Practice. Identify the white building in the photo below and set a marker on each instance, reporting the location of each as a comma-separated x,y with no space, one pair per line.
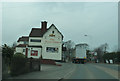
42,42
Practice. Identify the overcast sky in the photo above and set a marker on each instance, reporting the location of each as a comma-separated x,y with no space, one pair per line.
97,20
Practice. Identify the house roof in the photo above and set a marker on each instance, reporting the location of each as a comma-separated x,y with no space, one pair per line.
21,45
37,32
23,38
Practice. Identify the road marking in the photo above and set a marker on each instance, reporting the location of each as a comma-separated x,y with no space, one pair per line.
90,73
70,73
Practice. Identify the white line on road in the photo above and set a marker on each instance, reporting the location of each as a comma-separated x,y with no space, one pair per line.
89,72
70,73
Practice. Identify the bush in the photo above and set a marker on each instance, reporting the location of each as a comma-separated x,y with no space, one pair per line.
7,53
118,57
18,65
114,56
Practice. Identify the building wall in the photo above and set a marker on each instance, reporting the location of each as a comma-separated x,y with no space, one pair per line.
20,50
52,55
35,49
47,42
54,42
57,37
21,42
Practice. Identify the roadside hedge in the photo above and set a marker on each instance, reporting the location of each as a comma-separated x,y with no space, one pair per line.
112,56
18,64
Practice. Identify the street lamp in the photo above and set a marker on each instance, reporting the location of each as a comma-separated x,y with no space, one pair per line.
90,44
85,35
90,39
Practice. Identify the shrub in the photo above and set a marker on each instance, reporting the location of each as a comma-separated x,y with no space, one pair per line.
18,65
114,56
7,53
118,57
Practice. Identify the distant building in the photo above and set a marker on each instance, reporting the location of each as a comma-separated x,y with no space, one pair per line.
42,42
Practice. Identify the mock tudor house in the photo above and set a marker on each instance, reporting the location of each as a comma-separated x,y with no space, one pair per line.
42,42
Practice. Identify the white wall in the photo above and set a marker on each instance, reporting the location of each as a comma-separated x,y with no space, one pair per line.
20,50
57,37
21,42
29,52
50,55
52,42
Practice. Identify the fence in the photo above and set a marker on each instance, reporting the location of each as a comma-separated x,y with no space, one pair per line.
30,65
34,64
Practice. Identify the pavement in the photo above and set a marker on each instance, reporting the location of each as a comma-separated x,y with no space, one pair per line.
73,71
48,72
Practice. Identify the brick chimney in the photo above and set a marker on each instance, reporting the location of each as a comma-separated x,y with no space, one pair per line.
44,26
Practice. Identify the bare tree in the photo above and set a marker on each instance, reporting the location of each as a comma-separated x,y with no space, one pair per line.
69,48
101,50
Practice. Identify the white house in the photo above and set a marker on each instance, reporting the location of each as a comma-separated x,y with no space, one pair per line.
42,42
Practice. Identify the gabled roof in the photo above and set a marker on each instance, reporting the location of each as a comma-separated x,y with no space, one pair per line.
36,32
21,45
56,29
23,38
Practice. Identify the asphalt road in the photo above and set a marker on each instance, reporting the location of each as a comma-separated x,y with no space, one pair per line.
95,71
74,71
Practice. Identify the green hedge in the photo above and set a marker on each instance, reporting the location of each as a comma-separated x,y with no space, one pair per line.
118,57
114,56
18,64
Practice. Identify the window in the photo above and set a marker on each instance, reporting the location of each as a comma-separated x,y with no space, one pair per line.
52,49
52,31
35,40
23,50
25,42
34,53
